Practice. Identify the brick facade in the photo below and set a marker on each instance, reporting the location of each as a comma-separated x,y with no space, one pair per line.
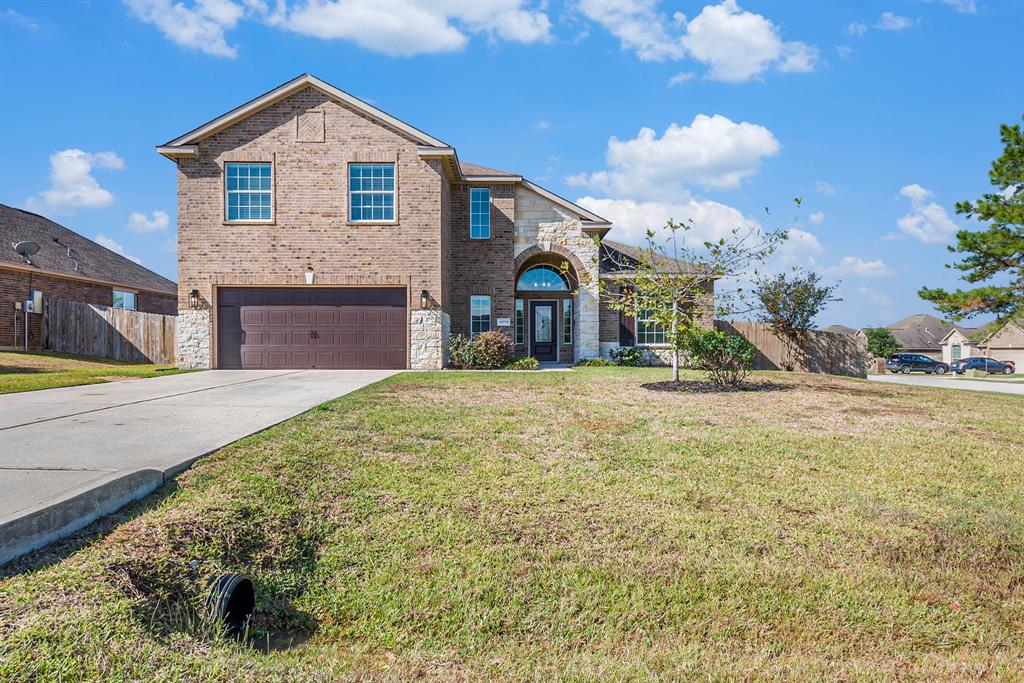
16,285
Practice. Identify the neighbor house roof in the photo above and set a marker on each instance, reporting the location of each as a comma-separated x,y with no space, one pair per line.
920,331
66,253
618,258
842,329
185,146
971,333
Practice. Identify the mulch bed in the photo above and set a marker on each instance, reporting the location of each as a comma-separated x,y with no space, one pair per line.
695,387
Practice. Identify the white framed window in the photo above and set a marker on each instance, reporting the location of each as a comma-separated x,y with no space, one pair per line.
648,331
371,192
124,299
249,191
520,321
480,213
567,321
479,315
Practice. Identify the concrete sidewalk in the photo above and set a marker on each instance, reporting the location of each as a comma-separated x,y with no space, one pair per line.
999,387
69,456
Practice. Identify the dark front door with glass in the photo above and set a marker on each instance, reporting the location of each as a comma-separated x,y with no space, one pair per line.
543,338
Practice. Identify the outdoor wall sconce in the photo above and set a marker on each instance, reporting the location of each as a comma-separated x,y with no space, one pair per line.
309,276
424,299
193,299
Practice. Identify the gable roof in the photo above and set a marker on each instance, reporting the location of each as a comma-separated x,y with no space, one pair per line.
618,258
920,331
996,331
87,260
475,170
842,329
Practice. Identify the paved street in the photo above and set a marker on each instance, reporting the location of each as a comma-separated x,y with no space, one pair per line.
946,382
69,456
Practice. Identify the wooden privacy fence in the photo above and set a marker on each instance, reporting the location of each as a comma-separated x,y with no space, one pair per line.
824,352
116,333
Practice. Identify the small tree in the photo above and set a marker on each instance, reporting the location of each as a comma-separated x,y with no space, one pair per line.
881,342
725,358
789,303
670,280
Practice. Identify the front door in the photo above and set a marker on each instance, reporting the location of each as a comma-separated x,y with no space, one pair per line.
543,338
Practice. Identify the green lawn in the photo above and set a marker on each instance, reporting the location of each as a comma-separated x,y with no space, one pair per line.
564,526
20,371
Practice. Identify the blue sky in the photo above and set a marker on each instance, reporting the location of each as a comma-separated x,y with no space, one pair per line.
879,115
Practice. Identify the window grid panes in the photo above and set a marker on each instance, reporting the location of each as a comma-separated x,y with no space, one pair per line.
249,192
480,213
956,352
371,191
124,300
543,278
567,321
520,322
648,331
479,315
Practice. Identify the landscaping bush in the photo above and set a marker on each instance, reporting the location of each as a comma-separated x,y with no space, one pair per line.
528,363
491,350
726,358
460,352
629,356
594,363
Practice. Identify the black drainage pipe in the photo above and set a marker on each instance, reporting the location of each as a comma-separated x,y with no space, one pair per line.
231,601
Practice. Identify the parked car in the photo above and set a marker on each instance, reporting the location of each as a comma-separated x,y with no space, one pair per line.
989,365
915,362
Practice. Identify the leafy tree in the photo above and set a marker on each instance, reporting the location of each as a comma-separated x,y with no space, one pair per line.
997,253
670,280
881,342
726,358
789,303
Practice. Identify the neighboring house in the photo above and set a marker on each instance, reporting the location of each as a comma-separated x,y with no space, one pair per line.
315,230
920,333
962,342
1006,344
843,330
68,266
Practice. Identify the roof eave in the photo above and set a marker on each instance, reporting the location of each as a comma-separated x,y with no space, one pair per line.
175,152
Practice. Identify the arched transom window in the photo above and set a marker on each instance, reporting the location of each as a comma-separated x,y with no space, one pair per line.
542,278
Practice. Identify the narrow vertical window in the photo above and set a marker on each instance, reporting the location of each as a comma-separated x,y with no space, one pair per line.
371,192
479,315
249,189
520,322
567,321
480,213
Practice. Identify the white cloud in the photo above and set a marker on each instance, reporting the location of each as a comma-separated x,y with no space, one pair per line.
876,298
893,22
857,28
962,6
632,219
399,28
844,51
827,189
713,151
735,44
681,77
855,265
20,19
72,185
112,245
927,221
638,26
139,223
740,45
816,218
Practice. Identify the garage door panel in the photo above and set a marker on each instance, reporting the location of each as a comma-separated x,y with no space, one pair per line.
312,327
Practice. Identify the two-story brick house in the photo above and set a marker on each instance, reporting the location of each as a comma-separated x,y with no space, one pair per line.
317,231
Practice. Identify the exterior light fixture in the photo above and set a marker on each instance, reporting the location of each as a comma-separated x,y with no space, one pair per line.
309,275
424,299
193,299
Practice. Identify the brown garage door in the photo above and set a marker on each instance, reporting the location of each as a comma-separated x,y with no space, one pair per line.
291,327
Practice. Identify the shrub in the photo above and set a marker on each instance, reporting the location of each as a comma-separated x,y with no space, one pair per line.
491,350
528,363
594,363
726,358
629,356
460,352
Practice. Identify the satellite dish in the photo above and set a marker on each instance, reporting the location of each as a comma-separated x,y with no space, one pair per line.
26,249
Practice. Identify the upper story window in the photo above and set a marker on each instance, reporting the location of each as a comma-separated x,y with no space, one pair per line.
124,300
542,278
479,315
371,192
480,213
249,191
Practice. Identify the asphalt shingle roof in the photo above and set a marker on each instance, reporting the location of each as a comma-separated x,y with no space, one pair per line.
617,257
470,170
87,259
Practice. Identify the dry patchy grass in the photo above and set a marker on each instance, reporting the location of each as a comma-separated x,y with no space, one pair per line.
565,526
29,371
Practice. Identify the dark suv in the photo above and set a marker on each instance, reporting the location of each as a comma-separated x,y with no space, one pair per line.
989,365
915,362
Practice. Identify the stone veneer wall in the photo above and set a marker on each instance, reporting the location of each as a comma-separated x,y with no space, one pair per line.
428,339
540,222
193,339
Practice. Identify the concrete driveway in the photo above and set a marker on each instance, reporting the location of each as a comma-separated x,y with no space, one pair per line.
995,385
69,456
